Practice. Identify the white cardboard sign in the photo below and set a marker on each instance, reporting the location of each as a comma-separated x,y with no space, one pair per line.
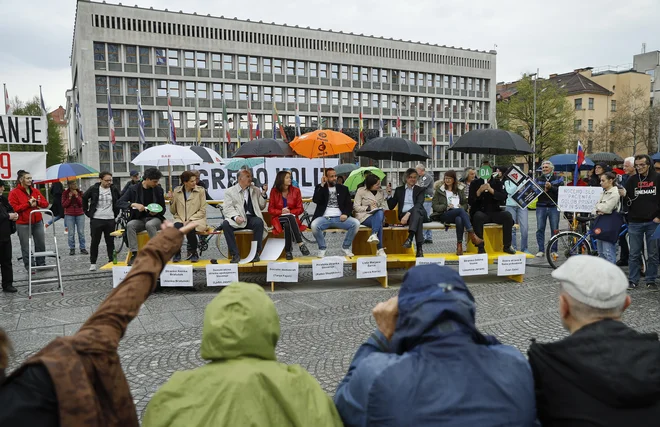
328,268
221,274
578,199
473,265
370,267
282,272
428,261
510,265
177,276
24,130
119,274
11,162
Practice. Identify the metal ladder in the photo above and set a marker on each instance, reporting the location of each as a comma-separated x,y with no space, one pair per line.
33,259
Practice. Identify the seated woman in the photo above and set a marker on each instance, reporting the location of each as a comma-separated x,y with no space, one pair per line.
188,203
284,207
450,207
368,207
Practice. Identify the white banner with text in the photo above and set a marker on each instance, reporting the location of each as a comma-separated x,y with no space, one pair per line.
24,130
11,162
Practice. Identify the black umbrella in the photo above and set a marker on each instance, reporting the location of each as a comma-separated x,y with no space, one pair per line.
392,148
208,155
345,168
609,158
491,141
265,147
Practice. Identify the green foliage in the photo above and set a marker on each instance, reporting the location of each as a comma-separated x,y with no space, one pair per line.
55,152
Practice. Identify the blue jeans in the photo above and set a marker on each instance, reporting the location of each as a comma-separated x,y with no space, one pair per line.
459,217
375,221
75,223
544,213
322,223
428,234
607,250
54,219
637,232
520,217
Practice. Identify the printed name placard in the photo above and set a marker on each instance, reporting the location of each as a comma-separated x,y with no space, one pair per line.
371,267
221,274
578,199
427,261
473,265
510,265
282,272
177,275
328,268
119,274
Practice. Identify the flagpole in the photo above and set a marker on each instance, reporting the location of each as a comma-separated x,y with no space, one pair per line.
45,113
6,99
198,135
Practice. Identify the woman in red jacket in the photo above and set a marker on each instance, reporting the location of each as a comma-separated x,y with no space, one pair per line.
284,207
74,217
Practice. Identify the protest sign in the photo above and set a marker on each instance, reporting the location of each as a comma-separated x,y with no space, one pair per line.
11,162
526,193
24,130
578,199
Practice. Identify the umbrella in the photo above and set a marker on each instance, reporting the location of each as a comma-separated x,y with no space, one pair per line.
238,163
566,163
322,143
264,147
609,158
207,155
68,171
491,141
392,148
656,157
167,155
357,176
345,168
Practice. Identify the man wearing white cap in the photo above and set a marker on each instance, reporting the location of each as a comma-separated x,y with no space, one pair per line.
604,373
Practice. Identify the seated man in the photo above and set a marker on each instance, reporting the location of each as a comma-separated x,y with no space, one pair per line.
243,205
486,199
137,198
428,365
333,210
605,373
410,201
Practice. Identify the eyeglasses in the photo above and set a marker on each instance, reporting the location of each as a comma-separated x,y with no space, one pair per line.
640,166
107,180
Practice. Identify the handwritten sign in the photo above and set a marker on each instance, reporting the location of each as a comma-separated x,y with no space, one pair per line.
510,265
282,272
119,274
177,276
328,268
221,274
526,193
427,261
370,267
578,199
473,265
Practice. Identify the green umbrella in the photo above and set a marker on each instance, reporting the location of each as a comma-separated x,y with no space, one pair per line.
239,163
357,176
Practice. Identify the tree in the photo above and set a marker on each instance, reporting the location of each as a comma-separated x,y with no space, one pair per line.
554,117
55,153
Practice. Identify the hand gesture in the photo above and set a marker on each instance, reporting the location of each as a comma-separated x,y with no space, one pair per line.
190,225
169,194
343,218
13,216
138,206
323,180
404,220
372,205
286,211
386,314
389,189
548,186
239,220
264,189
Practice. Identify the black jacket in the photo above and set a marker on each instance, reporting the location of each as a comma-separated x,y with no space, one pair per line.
605,374
127,186
321,195
399,198
487,202
7,227
135,194
91,199
643,197
56,190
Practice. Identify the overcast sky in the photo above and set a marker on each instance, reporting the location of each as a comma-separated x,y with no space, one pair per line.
555,36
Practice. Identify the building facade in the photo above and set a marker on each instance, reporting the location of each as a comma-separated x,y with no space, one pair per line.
203,60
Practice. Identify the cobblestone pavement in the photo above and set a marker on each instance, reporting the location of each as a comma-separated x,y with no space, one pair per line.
323,323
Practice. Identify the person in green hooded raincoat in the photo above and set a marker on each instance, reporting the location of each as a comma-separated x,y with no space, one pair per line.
243,384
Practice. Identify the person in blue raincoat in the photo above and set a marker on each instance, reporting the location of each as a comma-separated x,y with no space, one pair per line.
428,365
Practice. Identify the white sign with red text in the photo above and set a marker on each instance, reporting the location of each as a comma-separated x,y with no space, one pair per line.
11,162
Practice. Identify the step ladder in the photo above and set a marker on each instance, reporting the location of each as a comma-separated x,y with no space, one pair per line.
33,255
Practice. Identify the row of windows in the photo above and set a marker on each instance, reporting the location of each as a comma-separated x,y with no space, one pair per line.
169,28
578,125
578,104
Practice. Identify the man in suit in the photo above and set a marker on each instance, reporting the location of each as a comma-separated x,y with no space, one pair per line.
243,205
410,201
333,210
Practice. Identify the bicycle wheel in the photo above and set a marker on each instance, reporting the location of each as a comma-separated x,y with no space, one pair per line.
307,235
120,237
569,243
221,244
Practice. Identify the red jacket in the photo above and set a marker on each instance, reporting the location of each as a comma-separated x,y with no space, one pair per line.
72,205
18,198
276,204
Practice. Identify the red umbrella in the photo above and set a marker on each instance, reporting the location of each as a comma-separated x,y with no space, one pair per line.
618,171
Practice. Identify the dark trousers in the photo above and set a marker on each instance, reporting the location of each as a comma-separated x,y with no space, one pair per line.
5,264
253,223
191,236
98,228
501,217
415,224
625,250
291,231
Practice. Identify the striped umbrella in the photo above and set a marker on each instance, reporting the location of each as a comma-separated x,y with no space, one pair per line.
68,171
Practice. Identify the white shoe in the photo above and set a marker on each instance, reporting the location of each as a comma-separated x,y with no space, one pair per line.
373,239
381,252
348,253
92,267
539,254
66,231
321,253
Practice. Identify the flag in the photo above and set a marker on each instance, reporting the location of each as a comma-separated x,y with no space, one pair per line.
361,134
225,122
197,124
318,112
398,124
111,121
79,119
238,133
8,109
276,119
451,132
467,113
43,105
380,121
434,133
140,113
170,119
579,162
249,116
297,121
340,125
415,135
258,131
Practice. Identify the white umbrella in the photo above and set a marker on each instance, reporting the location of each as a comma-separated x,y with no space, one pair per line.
167,155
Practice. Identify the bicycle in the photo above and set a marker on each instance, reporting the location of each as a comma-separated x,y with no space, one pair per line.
121,221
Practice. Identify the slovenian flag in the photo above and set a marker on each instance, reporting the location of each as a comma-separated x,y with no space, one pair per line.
170,119
258,131
111,122
580,161
451,132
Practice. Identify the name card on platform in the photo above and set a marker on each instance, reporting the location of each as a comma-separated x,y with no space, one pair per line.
221,274
177,276
119,274
282,272
427,261
371,267
473,265
328,268
511,265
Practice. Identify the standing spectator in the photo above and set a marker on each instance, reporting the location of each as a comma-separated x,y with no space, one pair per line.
284,207
599,169
369,207
56,190
100,204
629,169
25,199
425,180
546,204
187,204
137,198
520,216
643,199
409,198
7,227
74,217
135,178
609,202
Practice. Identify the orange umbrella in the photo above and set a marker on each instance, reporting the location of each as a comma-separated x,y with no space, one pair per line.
322,143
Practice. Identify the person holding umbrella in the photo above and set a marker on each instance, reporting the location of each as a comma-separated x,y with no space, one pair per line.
425,180
410,201
369,207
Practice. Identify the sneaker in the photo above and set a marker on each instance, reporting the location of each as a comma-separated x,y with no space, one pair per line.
84,252
510,250
428,241
321,253
373,239
177,257
92,267
632,285
193,257
46,225
66,230
9,289
622,263
381,252
348,253
652,287
131,259
540,254
72,251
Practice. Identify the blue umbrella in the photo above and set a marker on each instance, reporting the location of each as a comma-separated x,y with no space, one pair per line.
566,163
656,157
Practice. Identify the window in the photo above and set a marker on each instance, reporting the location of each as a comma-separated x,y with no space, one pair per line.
173,58
374,100
268,94
254,93
228,62
291,95
383,76
578,104
99,51
429,80
228,92
313,69
189,59
201,59
355,74
420,79
578,125
160,57
365,100
290,68
174,89
254,66
144,55
446,82
190,90
131,55
114,83
365,74
131,86
454,82
277,66
324,97
278,94
301,96
300,69
613,105
344,98
102,117
313,96
591,125
335,97
323,71
462,83
242,63
356,99
217,90
216,61
591,103
383,101
411,78
374,75
113,53
335,71
267,65
145,87
612,126
242,93
161,86
344,72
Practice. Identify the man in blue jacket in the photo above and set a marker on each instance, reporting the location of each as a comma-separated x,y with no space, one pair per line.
428,365
546,205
